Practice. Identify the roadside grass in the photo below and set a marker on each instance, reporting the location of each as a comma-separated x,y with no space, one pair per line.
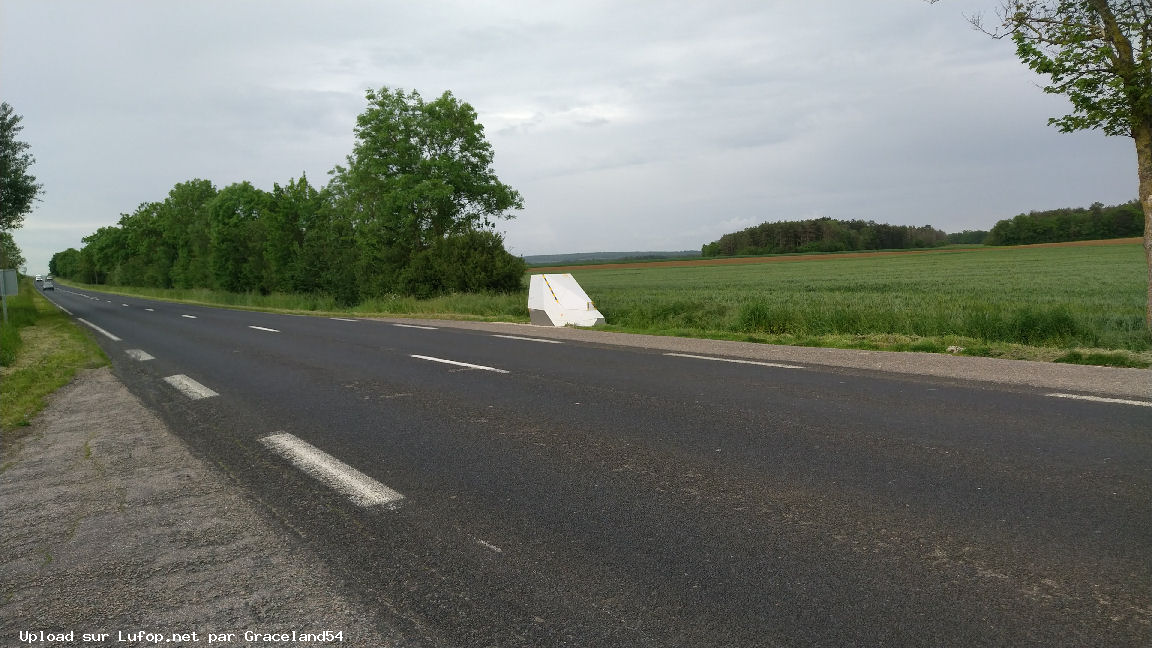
21,313
53,349
1079,304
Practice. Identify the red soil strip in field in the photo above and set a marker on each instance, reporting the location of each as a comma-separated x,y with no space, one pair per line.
714,261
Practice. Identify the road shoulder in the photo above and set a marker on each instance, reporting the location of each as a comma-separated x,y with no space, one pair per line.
1100,381
111,525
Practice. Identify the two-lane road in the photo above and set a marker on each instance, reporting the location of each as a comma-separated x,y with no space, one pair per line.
514,490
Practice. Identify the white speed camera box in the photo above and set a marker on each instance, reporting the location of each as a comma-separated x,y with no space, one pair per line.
557,300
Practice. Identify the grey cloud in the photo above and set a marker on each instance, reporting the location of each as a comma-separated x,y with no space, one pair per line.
632,125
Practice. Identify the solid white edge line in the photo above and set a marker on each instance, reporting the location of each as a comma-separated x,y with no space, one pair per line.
343,319
60,307
99,330
189,387
1099,399
415,326
459,364
261,328
527,339
353,484
139,354
751,362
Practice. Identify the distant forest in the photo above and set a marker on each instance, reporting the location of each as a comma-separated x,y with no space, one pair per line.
828,235
1070,224
823,235
551,259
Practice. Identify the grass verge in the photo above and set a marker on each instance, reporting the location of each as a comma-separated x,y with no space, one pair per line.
21,310
52,350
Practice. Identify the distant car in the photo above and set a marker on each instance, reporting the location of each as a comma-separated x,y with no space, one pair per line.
48,285
39,278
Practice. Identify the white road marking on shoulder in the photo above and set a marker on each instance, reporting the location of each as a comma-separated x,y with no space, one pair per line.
353,484
343,319
261,328
528,339
415,326
99,330
60,307
488,545
1098,399
460,364
751,362
139,354
189,387
189,316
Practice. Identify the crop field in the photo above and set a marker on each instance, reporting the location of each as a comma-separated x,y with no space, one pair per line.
988,300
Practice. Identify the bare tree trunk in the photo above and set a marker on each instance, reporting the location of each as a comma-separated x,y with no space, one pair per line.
1143,136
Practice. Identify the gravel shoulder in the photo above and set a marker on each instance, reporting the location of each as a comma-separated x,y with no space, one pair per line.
110,525
1081,379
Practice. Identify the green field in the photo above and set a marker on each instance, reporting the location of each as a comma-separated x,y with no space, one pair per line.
1080,304
987,300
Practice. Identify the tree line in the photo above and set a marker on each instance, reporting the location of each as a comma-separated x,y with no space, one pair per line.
827,235
823,235
1070,224
413,212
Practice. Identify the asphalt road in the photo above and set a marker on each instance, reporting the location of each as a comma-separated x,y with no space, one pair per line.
569,493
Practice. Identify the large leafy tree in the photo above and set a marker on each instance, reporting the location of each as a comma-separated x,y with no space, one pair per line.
236,217
187,228
1098,53
420,171
18,187
10,255
291,209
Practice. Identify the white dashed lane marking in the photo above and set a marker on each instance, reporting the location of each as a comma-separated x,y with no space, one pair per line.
261,328
488,545
189,387
415,326
189,316
459,364
353,484
99,330
528,339
1099,399
750,362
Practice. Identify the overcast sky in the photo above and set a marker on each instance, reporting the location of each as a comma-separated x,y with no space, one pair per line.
625,125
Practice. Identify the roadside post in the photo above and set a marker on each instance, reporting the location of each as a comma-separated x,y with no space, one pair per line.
9,285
